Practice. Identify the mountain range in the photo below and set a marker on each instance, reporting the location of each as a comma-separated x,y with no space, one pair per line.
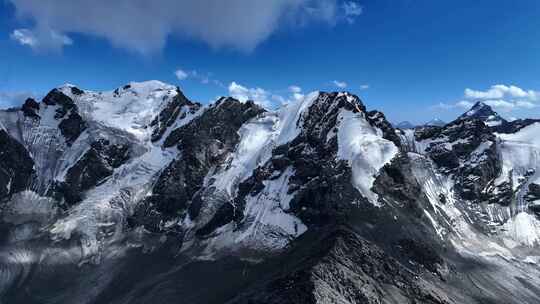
140,195
409,125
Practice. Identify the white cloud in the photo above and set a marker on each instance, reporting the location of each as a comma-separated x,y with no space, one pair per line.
296,94
264,97
364,86
500,103
295,89
13,99
41,39
500,91
340,84
181,74
501,97
462,104
258,95
204,78
505,97
24,37
352,10
525,104
145,27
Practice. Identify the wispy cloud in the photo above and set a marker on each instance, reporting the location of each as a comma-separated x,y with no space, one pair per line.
339,84
351,11
202,77
181,74
40,39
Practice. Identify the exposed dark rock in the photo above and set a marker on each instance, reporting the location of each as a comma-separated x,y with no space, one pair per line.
378,120
64,103
425,132
30,108
76,91
464,136
224,215
324,193
398,185
72,127
421,253
93,168
221,122
205,142
178,108
533,196
16,166
339,266
514,126
483,112
456,148
322,184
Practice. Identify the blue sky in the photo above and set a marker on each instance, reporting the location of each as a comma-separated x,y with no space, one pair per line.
413,60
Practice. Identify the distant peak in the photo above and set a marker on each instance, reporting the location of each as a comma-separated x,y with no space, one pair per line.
485,113
435,122
479,110
405,125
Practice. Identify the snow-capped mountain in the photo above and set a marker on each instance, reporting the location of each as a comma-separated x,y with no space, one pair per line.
139,195
436,122
486,114
404,125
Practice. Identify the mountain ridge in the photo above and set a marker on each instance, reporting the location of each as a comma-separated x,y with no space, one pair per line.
317,201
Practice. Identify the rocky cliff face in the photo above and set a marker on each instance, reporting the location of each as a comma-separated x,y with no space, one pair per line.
16,166
140,195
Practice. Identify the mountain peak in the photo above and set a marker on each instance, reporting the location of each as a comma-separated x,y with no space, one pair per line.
404,125
484,112
436,122
480,109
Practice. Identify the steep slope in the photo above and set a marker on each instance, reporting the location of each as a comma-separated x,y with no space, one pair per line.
485,113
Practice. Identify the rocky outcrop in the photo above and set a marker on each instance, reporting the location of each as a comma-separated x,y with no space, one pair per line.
16,166
467,148
321,183
533,197
377,119
176,109
91,169
339,266
204,143
514,126
30,108
71,123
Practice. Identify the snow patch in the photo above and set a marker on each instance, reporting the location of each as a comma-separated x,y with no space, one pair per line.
130,108
365,150
523,228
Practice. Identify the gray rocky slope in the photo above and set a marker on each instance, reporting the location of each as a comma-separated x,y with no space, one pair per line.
139,195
